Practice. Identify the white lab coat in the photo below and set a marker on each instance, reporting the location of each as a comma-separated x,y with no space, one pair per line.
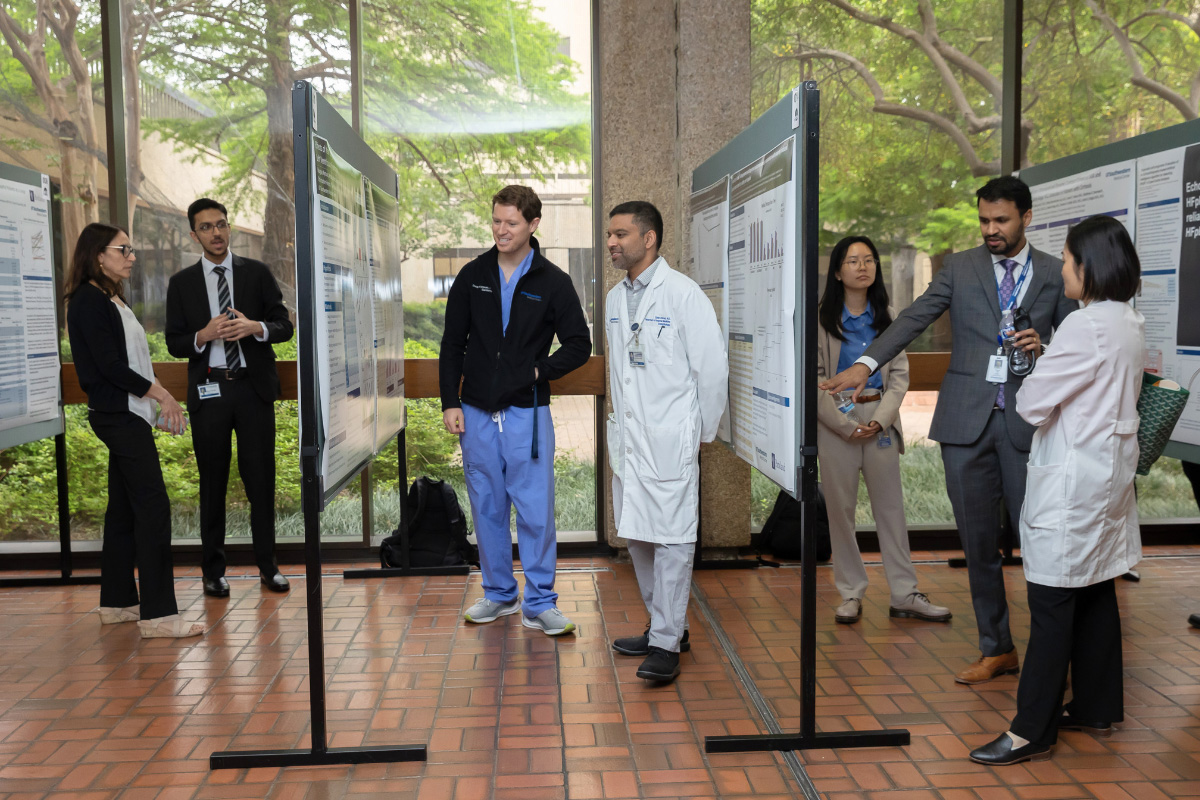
1079,524
664,410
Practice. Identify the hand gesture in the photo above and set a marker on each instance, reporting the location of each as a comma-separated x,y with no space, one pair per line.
238,328
855,375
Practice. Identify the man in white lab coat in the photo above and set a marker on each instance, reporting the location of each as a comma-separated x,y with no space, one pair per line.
669,377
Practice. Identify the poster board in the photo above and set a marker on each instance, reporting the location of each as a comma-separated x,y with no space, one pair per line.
1151,183
351,344
753,252
30,370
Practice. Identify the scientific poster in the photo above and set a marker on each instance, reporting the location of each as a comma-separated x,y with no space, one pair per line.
29,363
345,327
383,250
1059,204
761,301
709,257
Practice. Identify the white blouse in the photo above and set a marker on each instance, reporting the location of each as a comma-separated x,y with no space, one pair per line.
138,350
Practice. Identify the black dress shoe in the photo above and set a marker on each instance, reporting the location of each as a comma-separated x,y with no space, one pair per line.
640,645
216,587
1069,723
1194,620
276,582
661,665
1001,753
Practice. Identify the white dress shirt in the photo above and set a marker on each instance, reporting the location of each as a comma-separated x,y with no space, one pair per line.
1024,261
216,354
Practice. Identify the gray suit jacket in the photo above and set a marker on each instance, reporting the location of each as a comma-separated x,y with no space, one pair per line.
966,286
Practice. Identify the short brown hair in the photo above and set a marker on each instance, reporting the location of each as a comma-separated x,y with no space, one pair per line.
523,198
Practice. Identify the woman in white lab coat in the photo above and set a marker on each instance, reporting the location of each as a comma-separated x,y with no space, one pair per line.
1079,524
867,440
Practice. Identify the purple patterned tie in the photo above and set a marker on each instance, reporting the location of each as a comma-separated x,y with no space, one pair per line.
1007,284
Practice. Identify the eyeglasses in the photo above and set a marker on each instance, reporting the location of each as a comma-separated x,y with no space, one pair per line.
126,249
854,262
209,227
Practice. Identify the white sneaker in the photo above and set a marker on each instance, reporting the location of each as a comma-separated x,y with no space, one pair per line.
849,611
917,606
551,622
486,610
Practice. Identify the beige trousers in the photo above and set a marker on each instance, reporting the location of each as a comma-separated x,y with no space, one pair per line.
841,462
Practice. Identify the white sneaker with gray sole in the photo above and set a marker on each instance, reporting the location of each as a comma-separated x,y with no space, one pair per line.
551,622
486,610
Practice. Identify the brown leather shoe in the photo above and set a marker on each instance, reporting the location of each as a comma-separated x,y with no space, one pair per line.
988,667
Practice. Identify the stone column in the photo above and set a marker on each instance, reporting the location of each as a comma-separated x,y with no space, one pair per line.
674,88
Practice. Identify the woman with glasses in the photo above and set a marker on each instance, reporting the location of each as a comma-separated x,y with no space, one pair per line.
112,360
864,439
1079,523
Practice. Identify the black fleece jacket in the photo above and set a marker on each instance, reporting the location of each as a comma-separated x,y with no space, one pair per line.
496,368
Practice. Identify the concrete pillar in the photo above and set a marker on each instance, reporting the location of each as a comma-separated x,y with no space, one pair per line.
674,88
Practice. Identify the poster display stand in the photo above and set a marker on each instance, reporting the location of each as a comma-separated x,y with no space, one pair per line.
771,287
314,119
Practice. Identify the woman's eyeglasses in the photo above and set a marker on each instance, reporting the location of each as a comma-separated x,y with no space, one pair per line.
126,249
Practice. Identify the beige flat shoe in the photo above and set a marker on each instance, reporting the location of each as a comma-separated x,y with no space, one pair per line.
172,627
111,616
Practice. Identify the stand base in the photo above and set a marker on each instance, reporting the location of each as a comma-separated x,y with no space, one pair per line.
1007,561
75,580
726,563
251,759
397,572
798,741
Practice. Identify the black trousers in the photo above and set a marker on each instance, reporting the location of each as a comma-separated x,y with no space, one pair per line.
137,521
238,410
1079,629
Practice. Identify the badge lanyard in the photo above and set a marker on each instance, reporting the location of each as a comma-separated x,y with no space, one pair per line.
1012,301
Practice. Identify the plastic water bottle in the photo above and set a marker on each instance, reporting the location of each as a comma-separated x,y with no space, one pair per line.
845,402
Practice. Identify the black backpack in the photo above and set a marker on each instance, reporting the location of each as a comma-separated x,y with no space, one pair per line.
780,534
437,531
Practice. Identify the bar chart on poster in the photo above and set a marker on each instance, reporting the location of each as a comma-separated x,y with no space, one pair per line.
1151,183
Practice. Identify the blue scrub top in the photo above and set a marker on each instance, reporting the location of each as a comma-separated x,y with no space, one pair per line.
508,287
859,335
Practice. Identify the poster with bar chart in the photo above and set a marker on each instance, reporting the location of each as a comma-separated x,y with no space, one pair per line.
29,362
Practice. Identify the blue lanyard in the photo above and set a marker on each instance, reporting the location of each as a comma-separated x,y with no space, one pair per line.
1012,301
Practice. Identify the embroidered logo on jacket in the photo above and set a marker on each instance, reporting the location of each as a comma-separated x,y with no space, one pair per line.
537,297
481,287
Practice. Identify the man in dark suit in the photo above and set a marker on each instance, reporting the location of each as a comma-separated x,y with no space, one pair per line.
985,444
223,313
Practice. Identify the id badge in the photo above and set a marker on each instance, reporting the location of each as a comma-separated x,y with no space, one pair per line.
637,358
209,390
883,440
997,371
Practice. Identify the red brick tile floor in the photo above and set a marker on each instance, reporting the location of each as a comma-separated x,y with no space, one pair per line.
94,712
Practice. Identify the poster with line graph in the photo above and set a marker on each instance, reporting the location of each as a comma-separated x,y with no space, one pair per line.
761,312
29,362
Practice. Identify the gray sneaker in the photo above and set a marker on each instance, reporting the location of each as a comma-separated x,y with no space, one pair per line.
486,610
917,606
551,622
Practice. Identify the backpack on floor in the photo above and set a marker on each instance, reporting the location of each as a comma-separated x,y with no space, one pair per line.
780,534
437,531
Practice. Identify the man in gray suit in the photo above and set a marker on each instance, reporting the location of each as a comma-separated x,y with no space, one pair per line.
985,444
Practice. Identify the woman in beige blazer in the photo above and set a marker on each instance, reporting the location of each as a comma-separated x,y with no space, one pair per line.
868,439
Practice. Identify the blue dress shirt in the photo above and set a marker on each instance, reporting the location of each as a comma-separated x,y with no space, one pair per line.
859,335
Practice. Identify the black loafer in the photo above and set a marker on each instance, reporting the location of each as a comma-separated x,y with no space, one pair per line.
640,645
1068,723
1001,753
661,666
216,587
276,582
1194,620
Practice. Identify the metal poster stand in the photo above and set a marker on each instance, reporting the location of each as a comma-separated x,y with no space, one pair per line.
305,100
797,116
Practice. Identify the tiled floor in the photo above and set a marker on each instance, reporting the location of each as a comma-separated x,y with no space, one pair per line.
94,712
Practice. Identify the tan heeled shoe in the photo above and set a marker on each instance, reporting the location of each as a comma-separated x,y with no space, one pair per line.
172,627
110,615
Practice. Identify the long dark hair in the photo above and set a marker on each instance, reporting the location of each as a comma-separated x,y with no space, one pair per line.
829,312
85,264
1107,258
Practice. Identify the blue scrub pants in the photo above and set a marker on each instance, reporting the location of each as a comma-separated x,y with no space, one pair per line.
501,474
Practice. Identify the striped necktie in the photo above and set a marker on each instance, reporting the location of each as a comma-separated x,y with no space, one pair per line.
1007,284
233,359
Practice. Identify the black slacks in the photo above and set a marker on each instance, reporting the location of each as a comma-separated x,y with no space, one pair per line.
137,521
1079,629
238,410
